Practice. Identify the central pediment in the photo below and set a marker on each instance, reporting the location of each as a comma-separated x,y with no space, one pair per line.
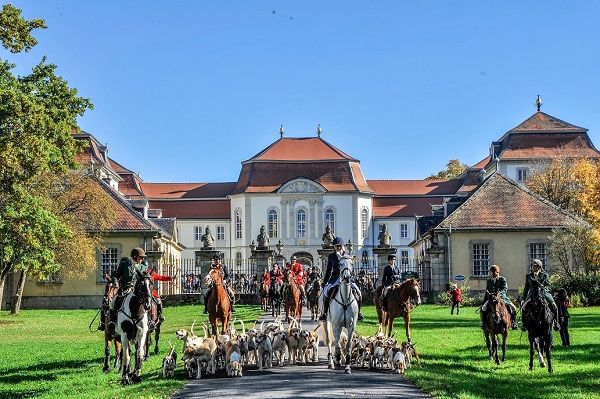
301,186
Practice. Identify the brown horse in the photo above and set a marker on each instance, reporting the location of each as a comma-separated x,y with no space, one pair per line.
496,320
219,306
293,305
264,295
110,290
400,300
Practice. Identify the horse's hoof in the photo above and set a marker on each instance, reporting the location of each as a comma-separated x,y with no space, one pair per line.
551,370
136,379
156,350
105,369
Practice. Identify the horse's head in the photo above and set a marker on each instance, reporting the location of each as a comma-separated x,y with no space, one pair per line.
213,277
496,304
143,289
537,290
414,291
346,268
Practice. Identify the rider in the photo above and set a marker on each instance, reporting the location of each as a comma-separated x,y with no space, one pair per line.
391,275
265,278
126,275
314,275
276,274
332,277
298,271
497,283
155,295
217,264
542,277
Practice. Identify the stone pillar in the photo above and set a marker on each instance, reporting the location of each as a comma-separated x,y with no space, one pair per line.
312,210
262,257
320,215
323,255
382,254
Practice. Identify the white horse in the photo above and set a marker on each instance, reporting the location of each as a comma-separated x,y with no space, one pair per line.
132,326
343,313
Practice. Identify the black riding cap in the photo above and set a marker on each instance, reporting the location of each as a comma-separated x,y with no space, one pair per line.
392,256
338,241
217,256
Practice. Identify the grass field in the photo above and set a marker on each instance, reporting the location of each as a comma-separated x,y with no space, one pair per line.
52,354
455,362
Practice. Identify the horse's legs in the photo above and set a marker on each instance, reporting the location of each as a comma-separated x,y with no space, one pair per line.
407,326
118,351
156,338
126,359
531,350
140,354
495,348
348,349
504,346
486,334
548,350
389,325
107,341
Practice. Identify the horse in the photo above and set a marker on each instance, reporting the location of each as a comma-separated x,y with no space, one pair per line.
293,305
264,295
539,325
275,297
132,325
156,323
110,290
400,301
313,298
496,321
343,313
219,305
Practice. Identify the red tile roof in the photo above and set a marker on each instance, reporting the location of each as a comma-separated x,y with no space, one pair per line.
130,186
187,190
301,149
268,177
566,145
542,122
404,206
483,163
500,203
415,187
117,167
128,219
194,209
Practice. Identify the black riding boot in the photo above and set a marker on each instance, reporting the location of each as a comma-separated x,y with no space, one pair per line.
112,321
159,310
513,318
360,315
206,302
323,316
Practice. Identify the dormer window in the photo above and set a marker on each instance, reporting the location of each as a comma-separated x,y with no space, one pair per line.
521,175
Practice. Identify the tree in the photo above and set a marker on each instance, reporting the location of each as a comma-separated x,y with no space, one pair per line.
454,168
38,114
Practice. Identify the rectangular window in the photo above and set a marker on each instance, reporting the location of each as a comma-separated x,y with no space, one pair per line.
403,230
537,250
238,224
481,259
272,222
197,233
109,261
301,223
521,175
364,223
220,232
404,259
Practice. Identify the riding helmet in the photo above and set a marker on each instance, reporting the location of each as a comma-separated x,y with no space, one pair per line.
391,257
338,241
135,252
217,256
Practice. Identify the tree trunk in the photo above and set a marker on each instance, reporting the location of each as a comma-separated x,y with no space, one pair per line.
4,269
16,306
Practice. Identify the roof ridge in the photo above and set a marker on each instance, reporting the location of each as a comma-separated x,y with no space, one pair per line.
570,125
122,201
423,180
221,182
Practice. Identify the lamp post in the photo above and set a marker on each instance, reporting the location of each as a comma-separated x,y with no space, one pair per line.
279,247
349,246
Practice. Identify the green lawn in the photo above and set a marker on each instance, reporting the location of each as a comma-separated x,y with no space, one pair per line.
455,362
52,354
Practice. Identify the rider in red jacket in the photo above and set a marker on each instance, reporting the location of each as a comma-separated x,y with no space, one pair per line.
155,295
265,278
298,271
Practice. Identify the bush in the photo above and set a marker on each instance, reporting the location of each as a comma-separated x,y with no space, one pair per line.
584,290
469,299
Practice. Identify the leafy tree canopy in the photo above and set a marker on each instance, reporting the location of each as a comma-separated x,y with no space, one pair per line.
454,168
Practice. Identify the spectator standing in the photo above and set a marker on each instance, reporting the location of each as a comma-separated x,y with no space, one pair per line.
455,298
562,302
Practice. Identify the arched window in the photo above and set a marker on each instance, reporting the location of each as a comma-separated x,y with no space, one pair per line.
301,223
238,224
330,219
272,223
364,222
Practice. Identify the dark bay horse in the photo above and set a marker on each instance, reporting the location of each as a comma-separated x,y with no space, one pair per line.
496,320
110,290
155,327
132,325
400,301
313,298
539,325
219,306
275,297
293,305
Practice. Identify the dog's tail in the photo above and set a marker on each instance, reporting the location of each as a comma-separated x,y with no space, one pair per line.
192,329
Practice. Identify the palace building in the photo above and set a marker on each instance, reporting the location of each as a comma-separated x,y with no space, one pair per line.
297,186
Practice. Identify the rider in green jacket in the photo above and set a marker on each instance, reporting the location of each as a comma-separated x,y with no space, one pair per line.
497,283
542,277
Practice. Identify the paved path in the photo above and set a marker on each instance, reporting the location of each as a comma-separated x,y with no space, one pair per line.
302,381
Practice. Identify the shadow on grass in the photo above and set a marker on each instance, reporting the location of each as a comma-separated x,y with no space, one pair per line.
22,393
45,371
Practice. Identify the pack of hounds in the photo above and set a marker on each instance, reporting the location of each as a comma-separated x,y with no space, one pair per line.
271,344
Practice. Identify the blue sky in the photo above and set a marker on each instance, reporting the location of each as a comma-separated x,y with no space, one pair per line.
186,90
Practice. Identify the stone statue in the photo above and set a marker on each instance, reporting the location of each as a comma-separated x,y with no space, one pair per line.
263,238
208,241
385,238
327,238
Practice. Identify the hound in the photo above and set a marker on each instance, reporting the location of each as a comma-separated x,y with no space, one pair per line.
169,363
410,352
313,346
279,346
265,351
293,341
252,345
233,359
397,360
